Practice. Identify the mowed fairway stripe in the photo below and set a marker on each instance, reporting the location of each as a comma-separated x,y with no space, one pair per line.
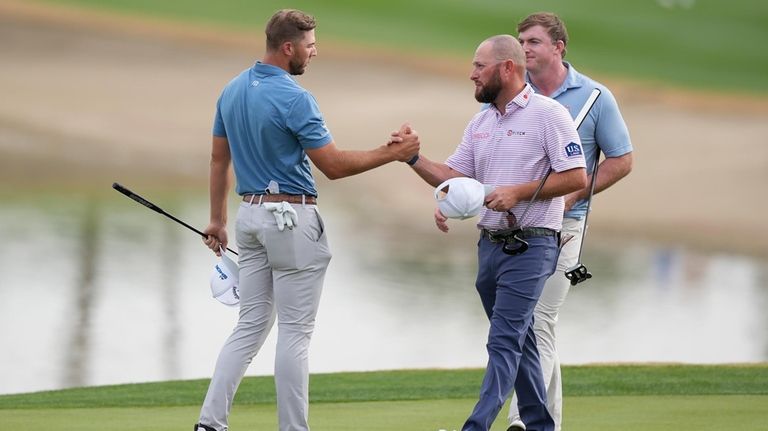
603,413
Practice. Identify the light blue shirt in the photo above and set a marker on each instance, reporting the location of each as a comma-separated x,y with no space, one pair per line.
269,120
603,127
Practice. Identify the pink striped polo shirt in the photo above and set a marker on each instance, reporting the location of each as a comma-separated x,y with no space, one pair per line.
534,134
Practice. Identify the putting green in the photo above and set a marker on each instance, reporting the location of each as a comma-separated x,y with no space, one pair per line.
626,413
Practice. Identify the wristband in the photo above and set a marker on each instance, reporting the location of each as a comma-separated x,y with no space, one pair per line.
413,160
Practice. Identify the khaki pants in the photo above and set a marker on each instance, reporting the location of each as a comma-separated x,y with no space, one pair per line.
545,318
281,276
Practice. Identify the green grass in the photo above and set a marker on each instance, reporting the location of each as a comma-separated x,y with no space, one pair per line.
624,413
713,45
597,398
619,380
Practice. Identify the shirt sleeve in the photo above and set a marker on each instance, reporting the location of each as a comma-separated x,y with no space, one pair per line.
218,122
561,140
463,158
611,132
306,122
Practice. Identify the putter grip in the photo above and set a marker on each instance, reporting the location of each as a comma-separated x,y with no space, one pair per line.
137,198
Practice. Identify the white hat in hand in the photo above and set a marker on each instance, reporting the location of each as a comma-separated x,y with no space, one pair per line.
224,281
284,214
461,197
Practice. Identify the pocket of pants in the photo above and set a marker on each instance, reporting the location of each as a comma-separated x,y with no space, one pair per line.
323,251
300,248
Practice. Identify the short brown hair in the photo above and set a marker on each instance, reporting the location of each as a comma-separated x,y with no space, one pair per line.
287,25
552,23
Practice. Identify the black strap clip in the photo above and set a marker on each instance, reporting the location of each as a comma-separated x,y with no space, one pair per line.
514,244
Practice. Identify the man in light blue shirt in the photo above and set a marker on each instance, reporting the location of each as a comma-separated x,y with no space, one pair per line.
603,129
270,128
544,39
271,153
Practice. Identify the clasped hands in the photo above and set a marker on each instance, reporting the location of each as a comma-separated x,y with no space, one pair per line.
404,142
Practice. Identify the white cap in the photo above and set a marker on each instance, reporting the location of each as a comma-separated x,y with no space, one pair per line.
461,197
224,281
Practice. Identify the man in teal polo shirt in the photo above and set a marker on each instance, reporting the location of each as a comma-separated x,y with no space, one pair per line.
269,128
544,38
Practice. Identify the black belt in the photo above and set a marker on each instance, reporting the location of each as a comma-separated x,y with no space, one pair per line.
502,235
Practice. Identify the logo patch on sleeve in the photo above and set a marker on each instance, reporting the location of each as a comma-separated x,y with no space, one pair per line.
573,149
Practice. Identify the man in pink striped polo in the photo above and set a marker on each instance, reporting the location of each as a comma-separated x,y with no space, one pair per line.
527,147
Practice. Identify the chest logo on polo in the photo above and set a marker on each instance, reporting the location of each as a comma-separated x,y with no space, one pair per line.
515,132
573,149
255,83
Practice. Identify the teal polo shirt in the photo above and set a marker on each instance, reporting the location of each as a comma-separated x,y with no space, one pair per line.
269,120
604,127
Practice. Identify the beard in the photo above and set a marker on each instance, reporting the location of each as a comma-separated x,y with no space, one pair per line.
295,67
490,90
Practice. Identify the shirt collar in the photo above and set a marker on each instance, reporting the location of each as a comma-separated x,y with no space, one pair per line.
268,69
518,102
522,97
573,79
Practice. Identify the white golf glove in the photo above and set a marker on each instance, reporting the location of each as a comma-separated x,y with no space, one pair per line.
284,213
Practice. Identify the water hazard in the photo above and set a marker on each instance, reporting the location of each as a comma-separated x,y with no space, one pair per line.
101,290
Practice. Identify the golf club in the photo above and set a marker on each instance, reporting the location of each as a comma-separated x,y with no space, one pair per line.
578,273
514,245
156,208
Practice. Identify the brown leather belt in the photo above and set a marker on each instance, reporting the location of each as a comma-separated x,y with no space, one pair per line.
291,199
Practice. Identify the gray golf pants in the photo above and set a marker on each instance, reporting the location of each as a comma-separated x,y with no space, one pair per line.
545,319
281,275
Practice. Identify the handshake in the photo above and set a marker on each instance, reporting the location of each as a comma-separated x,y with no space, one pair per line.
405,144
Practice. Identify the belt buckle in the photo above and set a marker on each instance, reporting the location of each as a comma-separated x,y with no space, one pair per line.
511,240
493,236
